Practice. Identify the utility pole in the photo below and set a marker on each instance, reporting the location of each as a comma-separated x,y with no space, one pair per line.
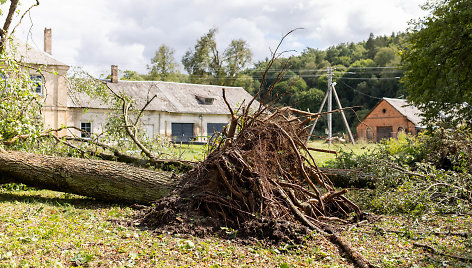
329,96
330,105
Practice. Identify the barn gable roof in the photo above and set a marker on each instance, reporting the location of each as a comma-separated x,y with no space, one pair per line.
173,97
409,110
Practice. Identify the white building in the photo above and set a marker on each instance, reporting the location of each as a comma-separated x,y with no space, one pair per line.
180,111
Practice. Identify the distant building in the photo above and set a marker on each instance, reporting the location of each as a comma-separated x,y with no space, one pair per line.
180,112
388,118
50,77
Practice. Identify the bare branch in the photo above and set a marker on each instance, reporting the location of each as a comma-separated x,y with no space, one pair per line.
24,14
6,25
142,110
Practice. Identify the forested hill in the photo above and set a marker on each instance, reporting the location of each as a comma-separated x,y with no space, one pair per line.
364,72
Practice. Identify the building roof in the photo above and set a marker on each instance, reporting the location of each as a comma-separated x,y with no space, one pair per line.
409,110
172,97
28,54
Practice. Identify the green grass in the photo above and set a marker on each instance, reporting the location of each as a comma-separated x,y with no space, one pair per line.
193,152
190,152
40,228
321,158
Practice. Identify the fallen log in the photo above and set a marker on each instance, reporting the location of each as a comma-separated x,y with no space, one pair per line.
102,180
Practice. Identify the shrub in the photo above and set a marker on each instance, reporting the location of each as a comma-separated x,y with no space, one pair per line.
415,175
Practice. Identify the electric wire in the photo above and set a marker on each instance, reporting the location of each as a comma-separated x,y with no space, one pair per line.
360,92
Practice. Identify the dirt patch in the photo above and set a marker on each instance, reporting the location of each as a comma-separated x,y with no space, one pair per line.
178,216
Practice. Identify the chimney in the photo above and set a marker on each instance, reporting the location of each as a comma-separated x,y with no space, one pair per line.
47,41
114,74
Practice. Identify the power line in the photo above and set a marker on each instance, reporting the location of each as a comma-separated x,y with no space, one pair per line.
362,93
370,78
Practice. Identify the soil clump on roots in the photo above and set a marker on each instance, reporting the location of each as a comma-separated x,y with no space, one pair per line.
260,183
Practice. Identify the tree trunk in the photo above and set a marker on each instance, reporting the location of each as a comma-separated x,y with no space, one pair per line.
104,180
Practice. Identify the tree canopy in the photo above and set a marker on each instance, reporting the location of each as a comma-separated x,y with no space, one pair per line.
163,65
437,61
205,64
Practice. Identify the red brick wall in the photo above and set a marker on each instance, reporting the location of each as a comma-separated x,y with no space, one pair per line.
384,115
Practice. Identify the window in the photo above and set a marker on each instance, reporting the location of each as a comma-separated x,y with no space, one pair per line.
86,128
37,83
4,80
205,100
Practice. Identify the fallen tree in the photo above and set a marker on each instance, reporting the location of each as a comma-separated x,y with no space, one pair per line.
258,174
103,180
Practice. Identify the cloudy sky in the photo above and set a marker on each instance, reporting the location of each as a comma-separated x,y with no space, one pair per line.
95,34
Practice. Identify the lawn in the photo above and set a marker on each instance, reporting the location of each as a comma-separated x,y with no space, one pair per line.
195,152
42,228
321,157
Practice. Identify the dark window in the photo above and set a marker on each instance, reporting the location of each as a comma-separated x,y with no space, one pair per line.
182,132
4,80
86,128
37,81
384,111
204,100
208,101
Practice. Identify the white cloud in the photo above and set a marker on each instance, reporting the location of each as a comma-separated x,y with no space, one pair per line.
96,34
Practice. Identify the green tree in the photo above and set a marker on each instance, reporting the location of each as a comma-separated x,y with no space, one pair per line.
308,99
236,58
437,60
20,105
163,65
286,90
202,62
132,76
205,65
384,56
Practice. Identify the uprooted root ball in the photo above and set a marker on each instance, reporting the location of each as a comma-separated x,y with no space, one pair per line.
264,174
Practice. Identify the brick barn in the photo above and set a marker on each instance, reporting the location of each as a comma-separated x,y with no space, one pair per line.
388,118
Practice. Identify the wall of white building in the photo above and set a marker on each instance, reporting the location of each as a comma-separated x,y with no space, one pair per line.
54,94
155,123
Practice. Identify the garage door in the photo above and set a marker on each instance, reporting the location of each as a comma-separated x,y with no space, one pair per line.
213,128
182,132
384,133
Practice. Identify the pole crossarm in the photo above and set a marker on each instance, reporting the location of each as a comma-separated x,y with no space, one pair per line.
329,97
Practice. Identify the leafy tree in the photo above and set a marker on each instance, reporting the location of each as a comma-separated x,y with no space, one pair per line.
437,60
286,90
163,65
237,56
384,56
308,99
19,103
205,65
132,76
203,61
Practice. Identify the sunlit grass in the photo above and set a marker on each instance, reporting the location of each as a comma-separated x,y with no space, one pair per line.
40,228
321,157
197,152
